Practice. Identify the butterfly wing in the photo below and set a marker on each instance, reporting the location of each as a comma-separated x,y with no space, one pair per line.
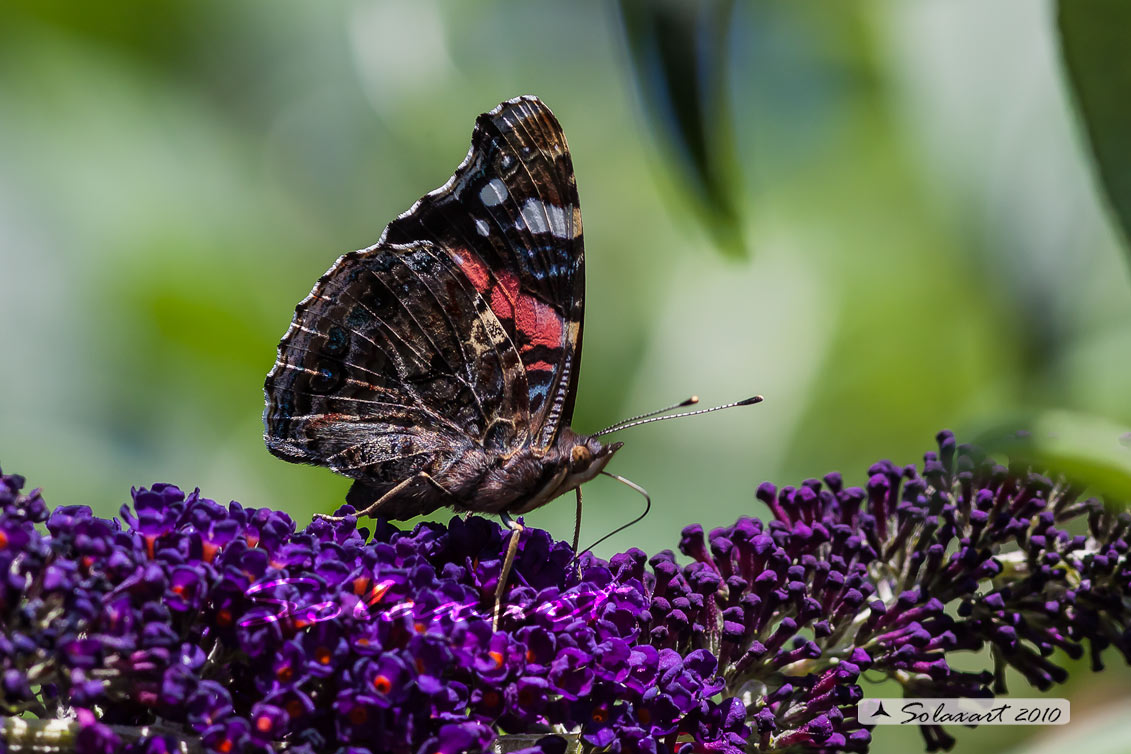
459,332
510,219
394,365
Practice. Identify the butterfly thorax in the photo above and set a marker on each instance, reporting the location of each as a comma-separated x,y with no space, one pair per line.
531,477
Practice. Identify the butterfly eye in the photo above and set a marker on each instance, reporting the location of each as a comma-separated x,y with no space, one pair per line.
579,458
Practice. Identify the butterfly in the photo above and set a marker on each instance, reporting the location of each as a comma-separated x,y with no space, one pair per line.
439,367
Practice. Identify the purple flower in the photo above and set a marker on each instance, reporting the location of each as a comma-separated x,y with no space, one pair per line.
93,737
571,673
235,628
458,739
186,586
527,698
382,682
232,735
268,723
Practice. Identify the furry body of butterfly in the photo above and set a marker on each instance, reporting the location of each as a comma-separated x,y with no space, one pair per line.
483,483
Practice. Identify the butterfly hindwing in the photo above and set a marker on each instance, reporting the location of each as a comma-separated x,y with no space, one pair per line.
510,219
394,365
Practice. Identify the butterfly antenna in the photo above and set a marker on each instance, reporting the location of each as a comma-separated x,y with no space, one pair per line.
619,529
649,418
613,428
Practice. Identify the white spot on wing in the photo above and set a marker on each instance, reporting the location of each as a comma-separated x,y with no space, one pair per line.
541,217
482,227
533,217
494,193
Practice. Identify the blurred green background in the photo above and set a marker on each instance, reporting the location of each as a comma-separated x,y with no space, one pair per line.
919,241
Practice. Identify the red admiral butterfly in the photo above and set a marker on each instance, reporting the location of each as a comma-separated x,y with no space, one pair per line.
439,366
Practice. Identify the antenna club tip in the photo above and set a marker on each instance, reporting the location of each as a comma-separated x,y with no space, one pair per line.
691,401
751,401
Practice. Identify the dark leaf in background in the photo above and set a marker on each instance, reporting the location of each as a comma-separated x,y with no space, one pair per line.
678,52
1091,451
1095,40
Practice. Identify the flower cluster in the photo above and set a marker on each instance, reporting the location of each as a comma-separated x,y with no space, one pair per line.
227,624
186,619
894,577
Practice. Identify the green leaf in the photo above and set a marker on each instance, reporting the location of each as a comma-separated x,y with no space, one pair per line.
678,51
1094,39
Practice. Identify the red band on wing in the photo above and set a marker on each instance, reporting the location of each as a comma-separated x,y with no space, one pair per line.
538,322
474,268
501,304
509,283
535,322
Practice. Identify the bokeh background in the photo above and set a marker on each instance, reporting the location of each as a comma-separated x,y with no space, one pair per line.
903,232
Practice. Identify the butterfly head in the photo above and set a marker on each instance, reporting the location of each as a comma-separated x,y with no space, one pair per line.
582,456
570,462
587,455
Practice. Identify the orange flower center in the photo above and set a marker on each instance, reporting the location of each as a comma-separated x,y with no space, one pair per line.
382,684
378,593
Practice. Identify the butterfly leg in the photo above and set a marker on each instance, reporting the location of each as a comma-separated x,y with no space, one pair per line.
512,548
577,529
577,521
374,508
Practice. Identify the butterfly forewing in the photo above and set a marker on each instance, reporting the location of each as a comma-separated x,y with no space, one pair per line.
510,218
